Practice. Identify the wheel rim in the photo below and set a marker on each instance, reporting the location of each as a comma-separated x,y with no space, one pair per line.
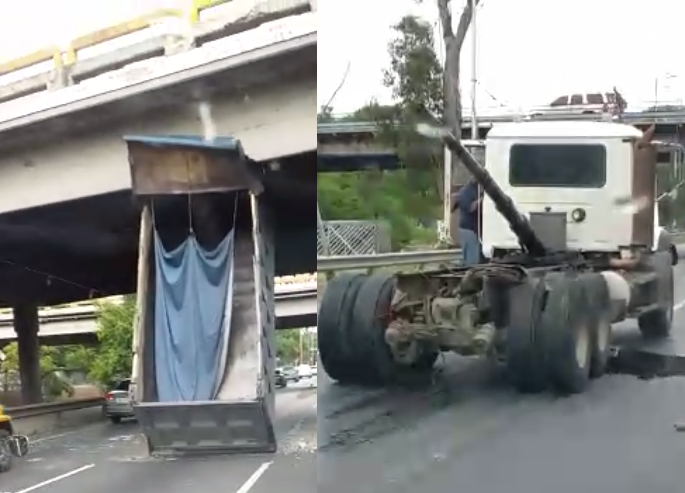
582,346
603,335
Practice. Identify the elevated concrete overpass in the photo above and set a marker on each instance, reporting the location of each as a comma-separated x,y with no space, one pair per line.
361,132
78,325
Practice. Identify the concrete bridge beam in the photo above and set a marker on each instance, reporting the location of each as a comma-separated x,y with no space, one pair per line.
271,122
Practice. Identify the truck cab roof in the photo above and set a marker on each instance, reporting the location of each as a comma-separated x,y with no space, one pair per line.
561,129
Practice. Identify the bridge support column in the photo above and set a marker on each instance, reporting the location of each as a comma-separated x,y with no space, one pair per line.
26,325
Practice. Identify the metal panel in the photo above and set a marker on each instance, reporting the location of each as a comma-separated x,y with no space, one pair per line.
264,270
550,228
159,168
353,238
206,427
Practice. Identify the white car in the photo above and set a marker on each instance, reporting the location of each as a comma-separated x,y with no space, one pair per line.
304,371
598,103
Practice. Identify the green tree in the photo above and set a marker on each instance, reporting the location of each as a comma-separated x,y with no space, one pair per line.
76,357
290,342
454,42
113,358
408,199
11,363
54,383
415,78
325,115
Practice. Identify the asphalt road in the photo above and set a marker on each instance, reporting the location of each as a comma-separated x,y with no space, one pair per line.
470,432
107,458
467,431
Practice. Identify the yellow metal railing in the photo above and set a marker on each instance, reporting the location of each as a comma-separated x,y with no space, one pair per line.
113,32
69,56
46,54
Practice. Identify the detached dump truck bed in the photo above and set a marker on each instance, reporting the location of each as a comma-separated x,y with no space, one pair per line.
204,369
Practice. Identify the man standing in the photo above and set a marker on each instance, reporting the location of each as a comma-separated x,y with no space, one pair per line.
468,202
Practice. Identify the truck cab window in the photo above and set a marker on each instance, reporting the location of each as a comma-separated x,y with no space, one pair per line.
557,165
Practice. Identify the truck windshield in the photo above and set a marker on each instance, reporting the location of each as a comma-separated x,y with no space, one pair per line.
557,165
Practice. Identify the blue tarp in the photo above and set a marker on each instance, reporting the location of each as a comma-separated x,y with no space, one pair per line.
192,318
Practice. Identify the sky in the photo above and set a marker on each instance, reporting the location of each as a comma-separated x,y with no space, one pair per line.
22,31
528,52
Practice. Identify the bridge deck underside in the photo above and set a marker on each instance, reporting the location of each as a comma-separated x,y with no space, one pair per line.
87,248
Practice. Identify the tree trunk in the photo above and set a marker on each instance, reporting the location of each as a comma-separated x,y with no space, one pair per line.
452,88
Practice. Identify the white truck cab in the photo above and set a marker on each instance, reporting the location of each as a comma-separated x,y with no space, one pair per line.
598,178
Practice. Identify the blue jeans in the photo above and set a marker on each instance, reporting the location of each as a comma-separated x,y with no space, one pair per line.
470,247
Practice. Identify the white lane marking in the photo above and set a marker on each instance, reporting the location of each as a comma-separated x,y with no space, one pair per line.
56,479
54,437
679,305
251,481
67,433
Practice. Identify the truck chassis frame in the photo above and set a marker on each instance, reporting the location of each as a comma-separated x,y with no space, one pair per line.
548,320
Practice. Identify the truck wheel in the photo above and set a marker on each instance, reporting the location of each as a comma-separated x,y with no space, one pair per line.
597,293
566,334
524,359
656,324
427,360
376,364
6,457
334,317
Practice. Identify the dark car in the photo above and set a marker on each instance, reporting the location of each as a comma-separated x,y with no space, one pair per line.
117,403
281,380
290,374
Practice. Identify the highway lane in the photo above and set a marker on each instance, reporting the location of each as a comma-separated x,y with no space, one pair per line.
109,458
470,431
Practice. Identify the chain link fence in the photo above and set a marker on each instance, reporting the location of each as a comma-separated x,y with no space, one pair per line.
352,238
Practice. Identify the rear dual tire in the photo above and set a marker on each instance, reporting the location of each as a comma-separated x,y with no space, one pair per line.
352,320
558,332
657,324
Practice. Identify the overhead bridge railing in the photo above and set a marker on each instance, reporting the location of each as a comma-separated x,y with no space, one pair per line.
149,35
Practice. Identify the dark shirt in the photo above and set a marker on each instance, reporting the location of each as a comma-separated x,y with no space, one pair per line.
467,196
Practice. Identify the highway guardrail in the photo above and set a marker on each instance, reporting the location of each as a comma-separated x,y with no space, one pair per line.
32,410
330,264
44,420
376,261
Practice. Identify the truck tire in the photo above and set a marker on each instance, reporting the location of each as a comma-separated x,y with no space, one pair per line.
665,244
427,360
6,457
376,365
599,317
524,358
657,324
565,333
333,322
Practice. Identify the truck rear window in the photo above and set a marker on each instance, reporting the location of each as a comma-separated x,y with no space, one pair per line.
557,165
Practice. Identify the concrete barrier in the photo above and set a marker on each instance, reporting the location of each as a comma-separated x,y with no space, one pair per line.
55,422
41,419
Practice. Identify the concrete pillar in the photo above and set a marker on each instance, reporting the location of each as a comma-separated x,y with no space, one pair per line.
26,325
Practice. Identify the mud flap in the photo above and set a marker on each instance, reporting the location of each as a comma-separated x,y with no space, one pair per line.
206,427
